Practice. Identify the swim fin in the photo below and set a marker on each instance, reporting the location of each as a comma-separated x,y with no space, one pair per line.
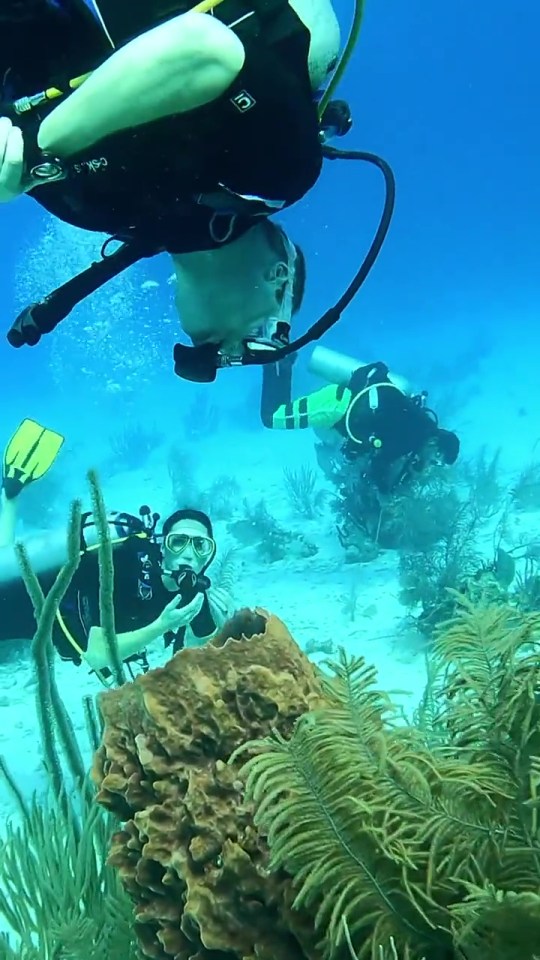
31,451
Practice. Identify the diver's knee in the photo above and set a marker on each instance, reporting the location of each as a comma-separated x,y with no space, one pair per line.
204,40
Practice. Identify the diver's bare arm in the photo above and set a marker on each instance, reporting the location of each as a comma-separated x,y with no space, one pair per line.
97,654
182,64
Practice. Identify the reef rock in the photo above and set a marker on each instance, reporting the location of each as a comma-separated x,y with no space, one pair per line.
189,854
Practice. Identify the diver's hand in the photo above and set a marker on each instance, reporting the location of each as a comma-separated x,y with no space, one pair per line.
11,161
175,616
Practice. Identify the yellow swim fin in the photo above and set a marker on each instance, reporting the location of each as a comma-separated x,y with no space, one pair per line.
31,451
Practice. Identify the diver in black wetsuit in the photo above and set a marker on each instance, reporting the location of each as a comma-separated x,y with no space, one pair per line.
161,586
159,591
368,418
234,92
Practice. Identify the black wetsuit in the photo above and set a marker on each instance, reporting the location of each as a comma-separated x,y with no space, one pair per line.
139,599
392,433
174,183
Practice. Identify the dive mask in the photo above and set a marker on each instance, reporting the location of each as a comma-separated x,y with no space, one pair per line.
177,543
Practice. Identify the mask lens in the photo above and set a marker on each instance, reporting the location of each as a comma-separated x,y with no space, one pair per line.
203,546
176,542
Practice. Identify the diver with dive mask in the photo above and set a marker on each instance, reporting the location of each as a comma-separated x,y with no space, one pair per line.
161,584
225,210
198,548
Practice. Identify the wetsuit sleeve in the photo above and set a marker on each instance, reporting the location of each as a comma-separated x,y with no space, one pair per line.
204,625
323,409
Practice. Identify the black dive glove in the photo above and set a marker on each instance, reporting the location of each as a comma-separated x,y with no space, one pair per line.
203,624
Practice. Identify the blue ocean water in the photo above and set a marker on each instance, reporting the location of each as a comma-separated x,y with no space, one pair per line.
448,95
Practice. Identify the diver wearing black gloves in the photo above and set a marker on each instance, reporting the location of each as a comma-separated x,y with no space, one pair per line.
366,414
161,585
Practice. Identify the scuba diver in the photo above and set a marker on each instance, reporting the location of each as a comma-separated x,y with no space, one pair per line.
222,82
161,585
366,415
93,101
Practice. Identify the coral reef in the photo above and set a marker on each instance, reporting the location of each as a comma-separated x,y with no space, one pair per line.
482,478
427,577
414,842
415,516
339,831
189,854
423,514
57,894
222,497
303,493
526,491
434,580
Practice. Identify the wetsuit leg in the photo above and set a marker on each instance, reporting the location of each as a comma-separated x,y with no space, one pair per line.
180,65
17,620
276,389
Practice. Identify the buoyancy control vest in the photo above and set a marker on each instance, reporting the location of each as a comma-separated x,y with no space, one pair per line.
132,183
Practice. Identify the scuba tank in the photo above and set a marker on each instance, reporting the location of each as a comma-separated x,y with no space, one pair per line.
338,368
122,526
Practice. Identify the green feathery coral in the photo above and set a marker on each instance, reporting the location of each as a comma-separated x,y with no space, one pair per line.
430,844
